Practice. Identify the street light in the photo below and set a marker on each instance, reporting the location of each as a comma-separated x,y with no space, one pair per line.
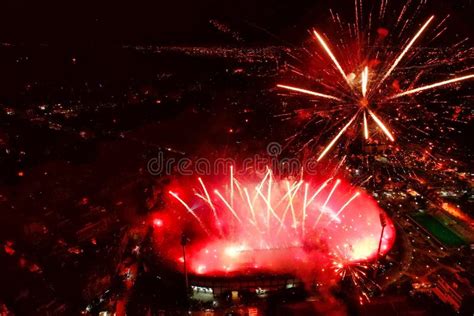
383,223
184,241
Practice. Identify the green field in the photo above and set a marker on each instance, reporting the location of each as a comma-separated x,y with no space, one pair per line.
442,233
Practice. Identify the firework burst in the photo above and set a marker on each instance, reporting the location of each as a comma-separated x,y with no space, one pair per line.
244,224
364,68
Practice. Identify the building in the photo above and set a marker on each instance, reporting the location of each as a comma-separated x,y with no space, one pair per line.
208,288
453,290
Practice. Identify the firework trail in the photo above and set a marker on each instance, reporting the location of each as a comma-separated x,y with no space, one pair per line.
365,87
246,223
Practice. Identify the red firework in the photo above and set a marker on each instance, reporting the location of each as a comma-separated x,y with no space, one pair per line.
365,71
276,225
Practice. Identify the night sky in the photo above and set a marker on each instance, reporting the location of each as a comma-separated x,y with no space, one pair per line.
96,23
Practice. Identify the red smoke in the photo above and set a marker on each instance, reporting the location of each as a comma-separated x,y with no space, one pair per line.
258,226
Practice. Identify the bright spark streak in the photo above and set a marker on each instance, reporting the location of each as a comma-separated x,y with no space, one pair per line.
305,205
326,202
232,186
366,128
269,208
260,185
381,125
202,197
269,194
406,49
291,192
186,206
208,198
317,94
344,206
331,193
365,80
237,185
365,181
288,193
331,55
321,187
290,200
328,147
434,85
231,209
250,205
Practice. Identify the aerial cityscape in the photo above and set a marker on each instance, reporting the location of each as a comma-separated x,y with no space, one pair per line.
237,158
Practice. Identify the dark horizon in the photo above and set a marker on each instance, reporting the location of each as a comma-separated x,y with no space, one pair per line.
89,24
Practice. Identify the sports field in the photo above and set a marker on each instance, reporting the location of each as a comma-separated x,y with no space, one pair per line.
442,233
